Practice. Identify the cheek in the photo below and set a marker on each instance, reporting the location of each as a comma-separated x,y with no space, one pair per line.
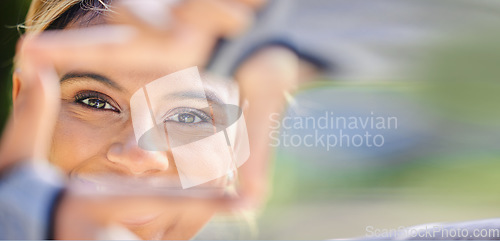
75,142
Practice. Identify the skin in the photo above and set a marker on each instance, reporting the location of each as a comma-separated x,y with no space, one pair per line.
86,142
97,145
92,144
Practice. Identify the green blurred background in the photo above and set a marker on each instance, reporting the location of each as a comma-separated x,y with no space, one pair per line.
450,174
12,13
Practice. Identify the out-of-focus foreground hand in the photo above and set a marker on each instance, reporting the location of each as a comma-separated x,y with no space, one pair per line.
266,79
187,42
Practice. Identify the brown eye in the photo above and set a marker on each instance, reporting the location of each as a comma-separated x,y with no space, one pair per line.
95,100
97,103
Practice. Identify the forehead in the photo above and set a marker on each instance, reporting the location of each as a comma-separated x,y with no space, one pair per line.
132,78
124,68
129,80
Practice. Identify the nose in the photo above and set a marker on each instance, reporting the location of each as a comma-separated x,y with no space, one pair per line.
135,159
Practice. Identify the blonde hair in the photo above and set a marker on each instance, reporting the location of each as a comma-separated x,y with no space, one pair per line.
42,13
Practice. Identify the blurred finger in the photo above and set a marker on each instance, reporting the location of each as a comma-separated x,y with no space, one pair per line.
276,68
215,17
119,47
254,3
222,17
35,110
149,15
83,216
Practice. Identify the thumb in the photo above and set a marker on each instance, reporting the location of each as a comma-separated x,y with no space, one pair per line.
264,81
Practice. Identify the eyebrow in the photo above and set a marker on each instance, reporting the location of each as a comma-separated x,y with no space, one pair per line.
72,76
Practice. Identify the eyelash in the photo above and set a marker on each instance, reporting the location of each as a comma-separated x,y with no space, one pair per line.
204,117
84,95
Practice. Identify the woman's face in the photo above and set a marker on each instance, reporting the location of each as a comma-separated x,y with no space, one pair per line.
96,137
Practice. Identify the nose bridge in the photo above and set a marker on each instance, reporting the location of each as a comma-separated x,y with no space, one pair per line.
126,152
